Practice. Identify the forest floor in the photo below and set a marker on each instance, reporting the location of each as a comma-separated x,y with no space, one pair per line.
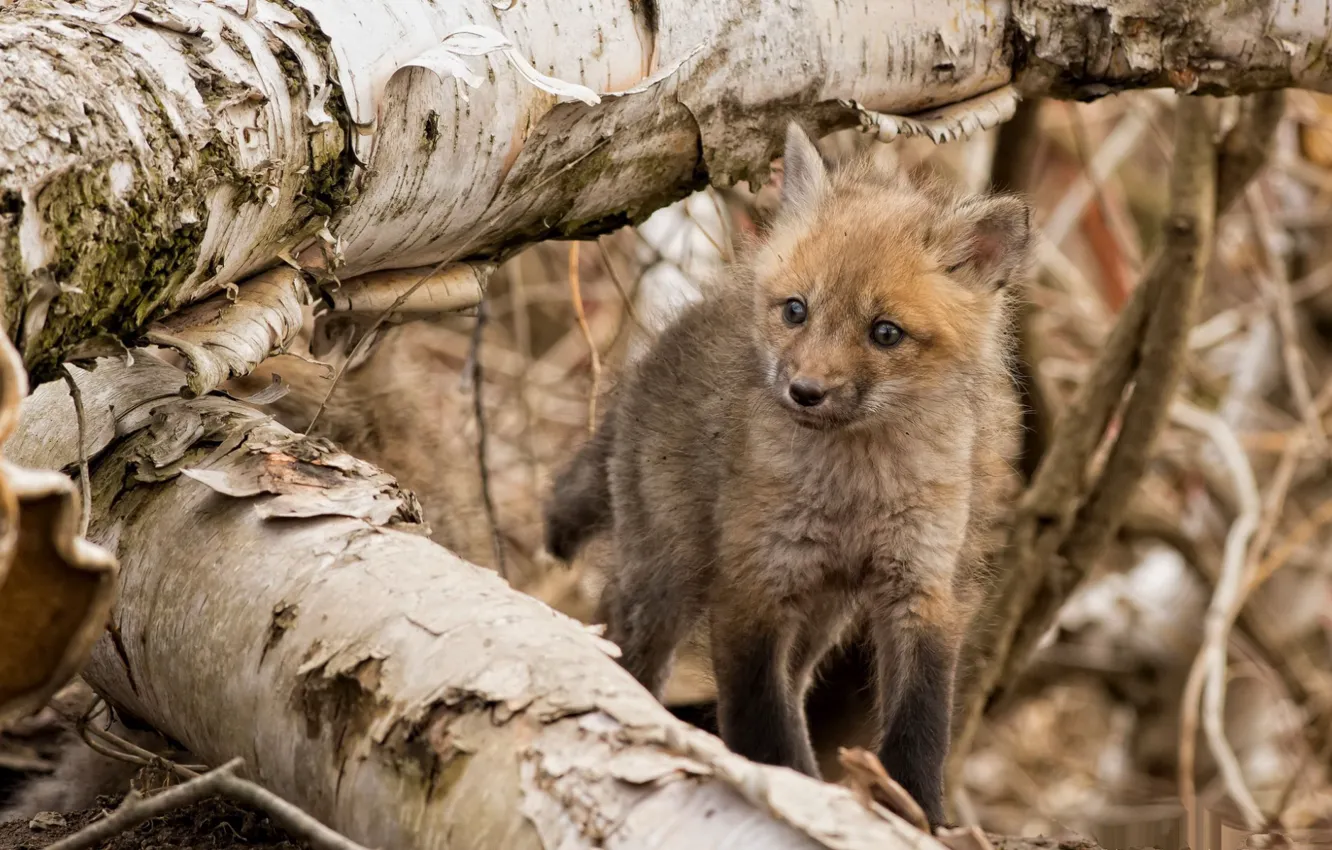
209,825
220,825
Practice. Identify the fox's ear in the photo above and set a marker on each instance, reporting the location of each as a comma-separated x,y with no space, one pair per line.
805,174
992,238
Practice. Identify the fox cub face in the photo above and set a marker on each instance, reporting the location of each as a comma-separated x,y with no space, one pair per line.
873,289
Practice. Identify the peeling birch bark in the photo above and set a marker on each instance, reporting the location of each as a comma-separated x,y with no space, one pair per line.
408,292
227,335
152,155
400,695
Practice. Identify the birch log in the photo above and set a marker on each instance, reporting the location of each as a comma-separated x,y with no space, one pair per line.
279,603
151,154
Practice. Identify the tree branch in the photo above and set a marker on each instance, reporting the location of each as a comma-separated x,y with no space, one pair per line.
257,152
1064,522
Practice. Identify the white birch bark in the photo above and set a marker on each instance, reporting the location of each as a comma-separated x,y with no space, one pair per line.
151,154
278,603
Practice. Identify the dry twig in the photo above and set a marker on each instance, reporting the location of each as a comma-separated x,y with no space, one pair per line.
576,296
1126,241
619,285
289,817
461,251
483,440
1225,323
1298,673
1209,667
1275,501
1298,537
136,810
1118,145
1277,285
85,479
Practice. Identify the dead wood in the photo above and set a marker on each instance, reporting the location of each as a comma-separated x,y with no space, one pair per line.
1066,518
365,674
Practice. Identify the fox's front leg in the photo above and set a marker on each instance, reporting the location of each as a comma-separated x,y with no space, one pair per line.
758,713
917,642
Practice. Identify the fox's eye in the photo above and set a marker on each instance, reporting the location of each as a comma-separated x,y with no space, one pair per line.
953,268
886,334
794,311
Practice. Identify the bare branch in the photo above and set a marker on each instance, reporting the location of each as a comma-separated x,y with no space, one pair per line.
1064,522
135,810
1247,146
1209,667
289,817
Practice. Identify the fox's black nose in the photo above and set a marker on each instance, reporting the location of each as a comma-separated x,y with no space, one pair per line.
807,392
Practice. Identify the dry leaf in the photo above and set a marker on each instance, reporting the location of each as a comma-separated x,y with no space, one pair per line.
315,484
867,778
1316,135
964,838
56,589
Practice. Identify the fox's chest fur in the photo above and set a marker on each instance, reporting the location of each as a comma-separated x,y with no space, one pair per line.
810,512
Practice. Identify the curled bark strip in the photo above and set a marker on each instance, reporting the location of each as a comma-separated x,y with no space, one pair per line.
225,337
56,589
457,286
305,481
385,686
953,122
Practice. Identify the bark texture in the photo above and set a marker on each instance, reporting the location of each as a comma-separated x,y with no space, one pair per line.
150,155
279,603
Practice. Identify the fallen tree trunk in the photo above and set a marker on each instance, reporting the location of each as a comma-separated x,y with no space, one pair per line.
154,154
279,603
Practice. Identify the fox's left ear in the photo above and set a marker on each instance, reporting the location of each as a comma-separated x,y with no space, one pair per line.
992,240
805,174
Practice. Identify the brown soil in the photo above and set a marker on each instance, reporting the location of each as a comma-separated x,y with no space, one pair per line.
210,825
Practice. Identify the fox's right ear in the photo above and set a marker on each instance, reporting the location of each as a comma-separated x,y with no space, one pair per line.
994,240
805,174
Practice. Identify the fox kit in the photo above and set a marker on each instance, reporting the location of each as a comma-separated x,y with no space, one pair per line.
818,443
